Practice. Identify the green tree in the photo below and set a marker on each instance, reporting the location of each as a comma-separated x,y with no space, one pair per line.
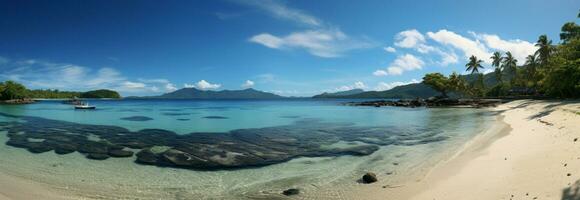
13,90
456,83
531,67
544,50
510,63
570,31
438,82
474,65
496,62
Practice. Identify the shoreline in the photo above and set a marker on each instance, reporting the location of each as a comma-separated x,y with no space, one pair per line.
523,152
536,157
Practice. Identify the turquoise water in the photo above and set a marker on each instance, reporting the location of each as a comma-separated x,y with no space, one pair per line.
417,138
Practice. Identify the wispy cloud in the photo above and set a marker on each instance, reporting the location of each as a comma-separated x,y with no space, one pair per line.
322,43
280,10
322,39
39,74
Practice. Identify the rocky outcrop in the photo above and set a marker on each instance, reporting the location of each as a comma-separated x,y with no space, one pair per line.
431,102
18,101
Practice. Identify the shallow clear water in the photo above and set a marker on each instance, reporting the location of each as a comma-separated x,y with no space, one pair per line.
410,152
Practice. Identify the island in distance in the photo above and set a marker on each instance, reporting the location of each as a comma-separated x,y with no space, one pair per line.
193,93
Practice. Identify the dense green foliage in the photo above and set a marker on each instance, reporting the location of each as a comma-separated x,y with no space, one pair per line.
438,82
553,70
98,94
13,90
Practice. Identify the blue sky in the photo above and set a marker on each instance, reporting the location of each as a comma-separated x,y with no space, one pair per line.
293,48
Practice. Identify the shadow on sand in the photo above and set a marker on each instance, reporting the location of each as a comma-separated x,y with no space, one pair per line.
572,192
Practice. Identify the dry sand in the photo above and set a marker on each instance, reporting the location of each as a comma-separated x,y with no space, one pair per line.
529,153
535,157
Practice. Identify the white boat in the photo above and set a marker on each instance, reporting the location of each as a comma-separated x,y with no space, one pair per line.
85,106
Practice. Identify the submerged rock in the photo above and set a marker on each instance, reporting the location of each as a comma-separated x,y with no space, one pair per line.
369,178
215,117
119,153
97,156
239,148
291,191
137,118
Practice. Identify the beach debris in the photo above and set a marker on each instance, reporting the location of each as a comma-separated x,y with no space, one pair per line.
395,163
575,139
369,177
568,174
565,164
291,191
545,122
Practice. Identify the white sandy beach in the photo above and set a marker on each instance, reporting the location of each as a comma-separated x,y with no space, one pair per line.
535,157
527,154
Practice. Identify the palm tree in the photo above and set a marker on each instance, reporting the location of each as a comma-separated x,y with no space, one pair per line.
544,49
496,62
510,63
531,63
474,65
456,83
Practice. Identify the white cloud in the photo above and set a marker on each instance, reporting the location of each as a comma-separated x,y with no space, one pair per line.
268,40
407,62
204,85
355,85
409,39
519,48
448,58
380,72
248,84
467,46
279,10
169,87
186,85
38,74
382,86
390,49
325,43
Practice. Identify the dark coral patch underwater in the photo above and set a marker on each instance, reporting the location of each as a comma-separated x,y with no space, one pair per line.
209,151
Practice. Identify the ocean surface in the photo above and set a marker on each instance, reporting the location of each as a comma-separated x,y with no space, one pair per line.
405,143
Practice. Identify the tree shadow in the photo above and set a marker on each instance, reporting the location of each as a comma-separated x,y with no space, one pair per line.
572,192
548,109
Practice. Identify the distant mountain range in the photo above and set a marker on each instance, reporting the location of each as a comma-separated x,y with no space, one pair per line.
400,92
339,94
410,91
193,93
